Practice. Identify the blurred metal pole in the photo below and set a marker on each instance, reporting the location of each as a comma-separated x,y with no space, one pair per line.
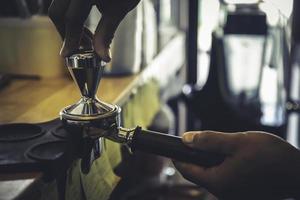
192,54
295,38
296,23
293,84
192,42
295,57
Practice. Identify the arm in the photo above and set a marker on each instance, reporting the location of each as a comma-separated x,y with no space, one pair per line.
258,165
69,17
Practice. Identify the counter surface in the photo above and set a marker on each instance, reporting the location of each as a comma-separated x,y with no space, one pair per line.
36,101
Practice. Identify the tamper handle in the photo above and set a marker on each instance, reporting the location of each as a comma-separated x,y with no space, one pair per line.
172,147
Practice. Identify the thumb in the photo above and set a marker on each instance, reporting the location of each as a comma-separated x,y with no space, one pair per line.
104,34
211,141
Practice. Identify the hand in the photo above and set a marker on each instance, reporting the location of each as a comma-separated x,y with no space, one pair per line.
257,166
69,17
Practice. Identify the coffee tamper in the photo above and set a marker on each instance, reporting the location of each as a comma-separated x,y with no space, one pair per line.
95,119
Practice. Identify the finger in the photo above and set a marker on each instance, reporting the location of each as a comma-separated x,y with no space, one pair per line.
56,12
211,141
86,40
75,17
104,34
194,173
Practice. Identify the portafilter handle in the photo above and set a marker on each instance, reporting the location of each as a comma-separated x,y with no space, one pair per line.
168,146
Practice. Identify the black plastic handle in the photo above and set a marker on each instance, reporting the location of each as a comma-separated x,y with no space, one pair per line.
172,147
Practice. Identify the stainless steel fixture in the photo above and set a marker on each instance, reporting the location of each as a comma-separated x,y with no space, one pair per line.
95,119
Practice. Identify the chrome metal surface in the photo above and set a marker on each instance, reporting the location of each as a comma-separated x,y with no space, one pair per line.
124,135
107,126
93,126
86,70
88,109
84,59
91,117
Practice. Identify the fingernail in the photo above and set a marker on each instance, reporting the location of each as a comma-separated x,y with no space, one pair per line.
188,138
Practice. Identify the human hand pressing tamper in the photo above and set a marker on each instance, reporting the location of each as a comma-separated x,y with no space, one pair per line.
69,17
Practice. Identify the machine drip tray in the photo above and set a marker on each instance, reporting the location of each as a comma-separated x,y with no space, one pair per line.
36,147
47,151
19,132
60,132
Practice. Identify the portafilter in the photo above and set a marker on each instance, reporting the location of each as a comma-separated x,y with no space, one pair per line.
96,119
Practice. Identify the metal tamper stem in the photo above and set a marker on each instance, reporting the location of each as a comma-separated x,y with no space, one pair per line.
94,119
86,70
82,118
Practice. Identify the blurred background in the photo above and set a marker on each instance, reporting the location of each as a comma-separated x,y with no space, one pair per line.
240,70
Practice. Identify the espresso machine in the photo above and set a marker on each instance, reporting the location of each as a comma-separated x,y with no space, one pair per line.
92,120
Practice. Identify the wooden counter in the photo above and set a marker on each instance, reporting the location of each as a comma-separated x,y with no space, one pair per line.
35,101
